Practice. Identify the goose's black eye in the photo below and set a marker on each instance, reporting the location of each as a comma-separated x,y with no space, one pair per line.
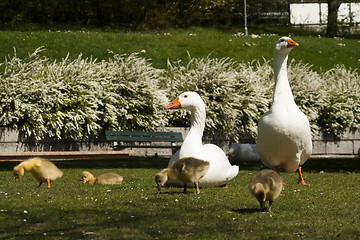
282,40
185,96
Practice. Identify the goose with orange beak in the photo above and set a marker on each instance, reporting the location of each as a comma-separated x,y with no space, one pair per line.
220,170
284,136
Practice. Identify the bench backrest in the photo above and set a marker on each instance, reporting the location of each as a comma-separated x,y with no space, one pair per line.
142,136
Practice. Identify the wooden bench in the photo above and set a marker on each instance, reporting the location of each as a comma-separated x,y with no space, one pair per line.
142,139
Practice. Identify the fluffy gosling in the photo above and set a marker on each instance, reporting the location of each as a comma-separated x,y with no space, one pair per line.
266,185
42,169
187,170
105,178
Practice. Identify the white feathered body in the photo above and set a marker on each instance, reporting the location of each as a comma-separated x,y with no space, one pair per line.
284,135
220,171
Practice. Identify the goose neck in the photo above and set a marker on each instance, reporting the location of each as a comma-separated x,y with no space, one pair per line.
198,117
282,87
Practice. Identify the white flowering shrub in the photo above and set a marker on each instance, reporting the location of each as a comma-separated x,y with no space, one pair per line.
73,99
342,101
236,95
252,95
77,98
330,100
212,79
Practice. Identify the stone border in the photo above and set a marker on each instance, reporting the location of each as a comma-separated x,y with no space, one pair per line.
324,145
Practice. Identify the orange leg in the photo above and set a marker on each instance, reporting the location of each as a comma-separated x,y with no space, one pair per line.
301,179
277,168
48,182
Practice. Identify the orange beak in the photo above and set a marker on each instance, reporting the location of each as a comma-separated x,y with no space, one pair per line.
16,179
174,104
292,43
84,180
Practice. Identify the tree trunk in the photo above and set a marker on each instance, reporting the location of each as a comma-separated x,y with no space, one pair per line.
332,27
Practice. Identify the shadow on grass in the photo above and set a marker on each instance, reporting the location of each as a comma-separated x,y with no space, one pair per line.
313,164
97,222
173,192
132,162
246,210
332,165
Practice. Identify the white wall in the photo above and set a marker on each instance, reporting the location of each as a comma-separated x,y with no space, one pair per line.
315,13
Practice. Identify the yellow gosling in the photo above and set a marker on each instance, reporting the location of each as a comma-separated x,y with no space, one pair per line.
42,169
266,185
105,178
187,170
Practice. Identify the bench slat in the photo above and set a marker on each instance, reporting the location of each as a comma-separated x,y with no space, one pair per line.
121,146
127,139
138,136
141,133
142,139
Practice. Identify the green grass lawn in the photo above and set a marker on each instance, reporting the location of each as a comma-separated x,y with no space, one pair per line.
176,44
328,208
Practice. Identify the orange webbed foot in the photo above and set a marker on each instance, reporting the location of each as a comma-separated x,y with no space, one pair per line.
302,182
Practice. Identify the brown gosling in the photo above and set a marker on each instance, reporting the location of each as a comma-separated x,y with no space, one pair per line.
266,185
105,178
43,170
187,170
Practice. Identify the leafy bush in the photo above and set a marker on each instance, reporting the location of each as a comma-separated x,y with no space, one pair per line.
212,79
237,94
75,99
342,101
233,93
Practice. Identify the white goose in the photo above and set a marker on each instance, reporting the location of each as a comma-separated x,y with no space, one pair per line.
284,136
220,171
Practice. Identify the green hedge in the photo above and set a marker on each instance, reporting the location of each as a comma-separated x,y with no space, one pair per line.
77,98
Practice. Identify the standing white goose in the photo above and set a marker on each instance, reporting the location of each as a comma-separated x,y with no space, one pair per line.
284,136
220,171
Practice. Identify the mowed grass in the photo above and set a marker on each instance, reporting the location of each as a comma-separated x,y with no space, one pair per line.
327,208
177,44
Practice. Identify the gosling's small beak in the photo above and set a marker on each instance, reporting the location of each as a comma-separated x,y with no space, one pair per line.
174,104
16,179
292,43
84,180
159,187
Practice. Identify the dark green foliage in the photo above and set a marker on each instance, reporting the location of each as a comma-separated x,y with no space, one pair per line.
140,14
